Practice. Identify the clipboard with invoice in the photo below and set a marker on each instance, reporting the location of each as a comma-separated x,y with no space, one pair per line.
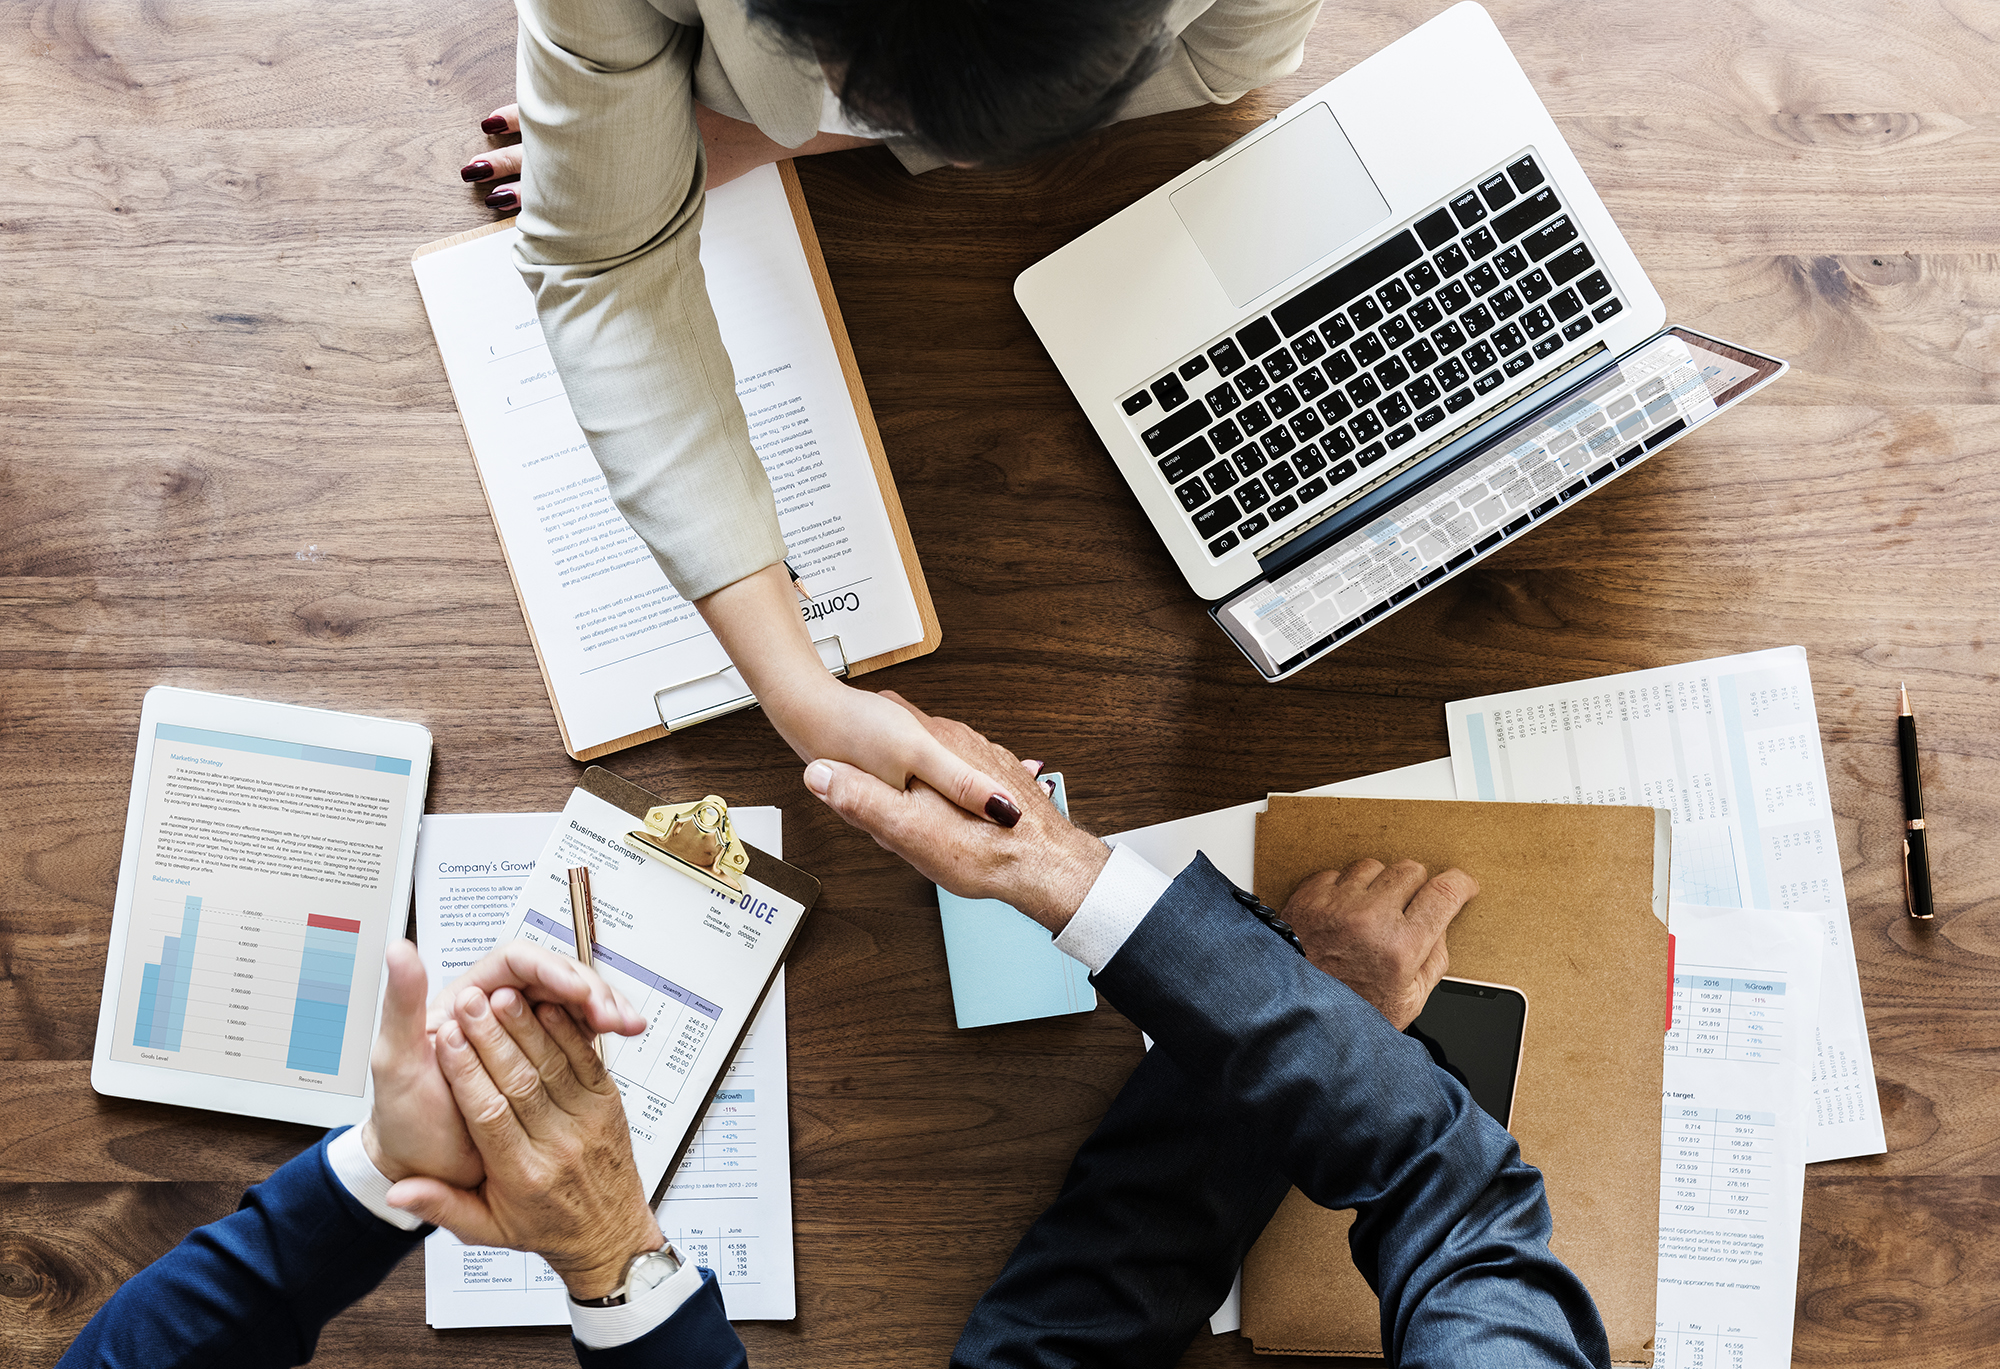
625,658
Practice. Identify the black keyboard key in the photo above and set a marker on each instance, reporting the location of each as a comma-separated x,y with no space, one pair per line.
1423,390
1426,314
1280,478
1365,426
1284,508
1423,278
1225,435
1370,454
1510,263
1336,288
1488,542
1479,357
1312,490
1335,407
1229,541
1526,174
1220,476
1448,339
1396,437
1252,383
1281,401
1536,322
1546,507
1249,460
1574,490
1630,455
1482,278
1436,228
1256,338
1548,346
1509,340
1252,495
1368,349
1517,364
1525,215
1397,332
1310,460
1547,239
1450,261
1192,495
1169,391
1468,210
1392,373
1250,527
1178,465
1460,559
1393,410
1451,375
1420,355
1278,365
1372,614
1310,384
1534,285
1431,578
1222,399
1496,192
1394,295
1217,516
1566,265
1454,297
1308,348
1606,310
1516,525
1573,331
1506,304
1226,357
1430,418
1457,400
1343,470
1594,286
1278,441
1366,313
1336,330
1253,419
1171,432
1193,367
1476,321
1566,306
1400,595
1337,442
1488,382
1134,403
1479,243
1306,426
1340,366
1603,472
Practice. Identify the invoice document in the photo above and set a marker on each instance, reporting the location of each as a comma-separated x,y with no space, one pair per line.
1734,1115
729,1204
609,629
1732,747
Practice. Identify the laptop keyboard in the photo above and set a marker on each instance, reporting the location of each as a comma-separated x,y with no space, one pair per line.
1271,424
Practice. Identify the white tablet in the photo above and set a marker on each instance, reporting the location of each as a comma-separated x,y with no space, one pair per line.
267,862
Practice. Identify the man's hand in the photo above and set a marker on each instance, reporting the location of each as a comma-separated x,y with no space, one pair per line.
1042,865
414,1127
1380,931
551,1129
544,977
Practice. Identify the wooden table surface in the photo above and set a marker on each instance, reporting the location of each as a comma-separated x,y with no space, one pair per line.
229,460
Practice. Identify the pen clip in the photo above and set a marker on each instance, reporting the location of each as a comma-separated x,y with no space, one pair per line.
1909,898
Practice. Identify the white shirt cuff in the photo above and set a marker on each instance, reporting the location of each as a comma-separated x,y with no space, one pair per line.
600,1328
369,1185
1125,891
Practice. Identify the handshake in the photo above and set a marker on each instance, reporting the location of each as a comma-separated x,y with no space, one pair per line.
494,1118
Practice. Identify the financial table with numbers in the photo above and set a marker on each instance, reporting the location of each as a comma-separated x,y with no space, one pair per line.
1716,1162
1721,1015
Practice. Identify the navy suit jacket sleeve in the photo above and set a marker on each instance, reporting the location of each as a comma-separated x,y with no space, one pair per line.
253,1290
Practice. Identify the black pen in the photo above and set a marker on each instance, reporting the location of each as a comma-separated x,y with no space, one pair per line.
1916,856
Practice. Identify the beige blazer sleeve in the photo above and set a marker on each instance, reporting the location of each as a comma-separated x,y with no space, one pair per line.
610,242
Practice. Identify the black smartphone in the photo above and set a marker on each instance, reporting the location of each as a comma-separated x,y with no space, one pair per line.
1473,1031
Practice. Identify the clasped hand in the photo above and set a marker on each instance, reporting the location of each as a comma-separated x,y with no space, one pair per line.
494,1117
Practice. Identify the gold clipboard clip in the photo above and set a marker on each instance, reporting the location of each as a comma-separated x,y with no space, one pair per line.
697,839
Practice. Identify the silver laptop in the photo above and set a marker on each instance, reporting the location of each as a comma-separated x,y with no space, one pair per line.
1372,342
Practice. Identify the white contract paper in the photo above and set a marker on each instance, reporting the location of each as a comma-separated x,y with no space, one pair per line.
1732,747
729,1206
609,628
1733,1124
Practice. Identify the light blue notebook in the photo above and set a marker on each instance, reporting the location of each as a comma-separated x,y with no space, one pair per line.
1005,966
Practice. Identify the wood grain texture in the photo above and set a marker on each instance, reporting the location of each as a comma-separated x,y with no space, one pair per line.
228,460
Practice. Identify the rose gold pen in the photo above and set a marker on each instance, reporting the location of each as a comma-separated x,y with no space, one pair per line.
583,921
1916,851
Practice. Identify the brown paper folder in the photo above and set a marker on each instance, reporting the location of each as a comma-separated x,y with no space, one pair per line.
1565,914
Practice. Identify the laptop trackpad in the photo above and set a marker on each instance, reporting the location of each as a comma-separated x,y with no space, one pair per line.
1279,205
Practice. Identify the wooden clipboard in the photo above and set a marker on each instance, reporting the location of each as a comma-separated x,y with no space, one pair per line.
871,435
773,873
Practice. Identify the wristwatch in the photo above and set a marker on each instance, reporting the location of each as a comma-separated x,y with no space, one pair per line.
645,1271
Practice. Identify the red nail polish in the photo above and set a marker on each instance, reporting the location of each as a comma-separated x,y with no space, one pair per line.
493,126
503,199
476,171
1001,809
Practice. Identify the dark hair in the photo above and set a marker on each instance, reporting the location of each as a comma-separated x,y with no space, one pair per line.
982,81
